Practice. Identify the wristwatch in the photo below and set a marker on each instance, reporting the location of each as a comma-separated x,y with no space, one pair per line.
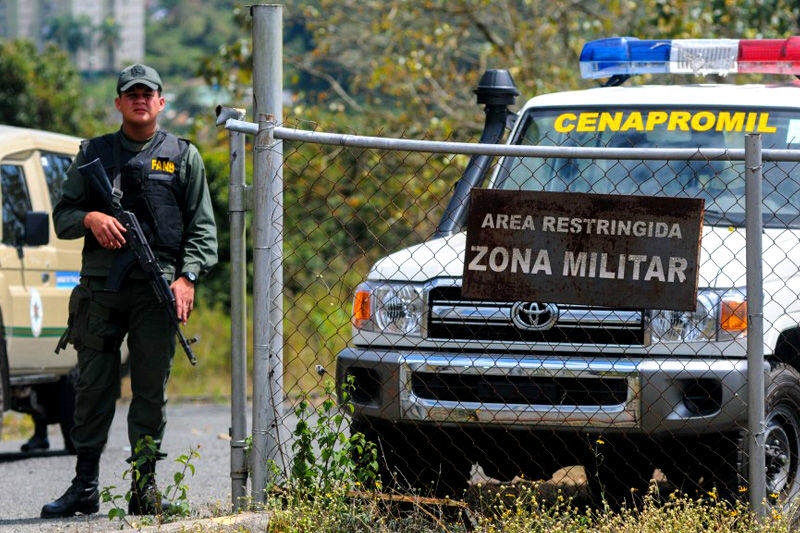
191,276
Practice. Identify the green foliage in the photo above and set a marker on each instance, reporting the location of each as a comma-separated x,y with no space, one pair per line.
180,33
380,67
411,66
118,503
70,32
211,378
325,458
174,498
519,509
41,90
176,492
108,34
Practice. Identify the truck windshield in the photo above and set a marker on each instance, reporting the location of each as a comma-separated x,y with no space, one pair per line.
720,183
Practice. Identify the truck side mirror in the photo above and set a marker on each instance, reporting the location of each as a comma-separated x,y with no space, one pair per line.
37,228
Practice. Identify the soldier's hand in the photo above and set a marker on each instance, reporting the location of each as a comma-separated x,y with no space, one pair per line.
106,229
183,289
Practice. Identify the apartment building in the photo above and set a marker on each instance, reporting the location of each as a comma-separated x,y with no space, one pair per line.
29,19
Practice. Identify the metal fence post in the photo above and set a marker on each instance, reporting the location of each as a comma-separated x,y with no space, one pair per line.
236,208
755,325
267,248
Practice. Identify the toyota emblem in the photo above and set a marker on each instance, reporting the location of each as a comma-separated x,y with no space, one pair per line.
534,316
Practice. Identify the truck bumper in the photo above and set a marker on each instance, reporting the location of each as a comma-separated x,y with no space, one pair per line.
647,396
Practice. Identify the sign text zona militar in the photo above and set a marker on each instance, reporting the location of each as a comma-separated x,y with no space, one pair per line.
606,250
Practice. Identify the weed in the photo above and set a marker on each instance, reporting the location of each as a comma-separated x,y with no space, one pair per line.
173,502
178,500
325,458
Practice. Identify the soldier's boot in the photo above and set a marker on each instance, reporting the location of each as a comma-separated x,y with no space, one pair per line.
145,496
82,495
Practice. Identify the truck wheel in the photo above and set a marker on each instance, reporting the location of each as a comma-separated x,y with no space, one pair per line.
721,460
617,473
426,459
782,422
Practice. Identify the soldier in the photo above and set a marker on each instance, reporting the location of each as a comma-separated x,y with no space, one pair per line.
163,182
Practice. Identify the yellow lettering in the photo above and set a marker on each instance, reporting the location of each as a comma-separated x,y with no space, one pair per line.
730,122
654,118
587,122
763,127
751,121
560,127
699,125
154,164
679,119
606,120
633,122
170,167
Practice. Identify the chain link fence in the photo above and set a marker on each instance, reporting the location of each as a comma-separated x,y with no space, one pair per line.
456,391
354,278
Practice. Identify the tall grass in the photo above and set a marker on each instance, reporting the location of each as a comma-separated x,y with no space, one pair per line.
525,512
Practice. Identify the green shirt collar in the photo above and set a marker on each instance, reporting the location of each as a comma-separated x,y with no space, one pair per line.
134,146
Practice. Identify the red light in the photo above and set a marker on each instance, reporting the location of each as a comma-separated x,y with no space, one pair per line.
770,56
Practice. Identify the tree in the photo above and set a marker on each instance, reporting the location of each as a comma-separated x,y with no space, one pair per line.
411,65
41,90
70,32
108,36
181,32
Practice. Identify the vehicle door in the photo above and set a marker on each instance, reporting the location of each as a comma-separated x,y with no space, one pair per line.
38,307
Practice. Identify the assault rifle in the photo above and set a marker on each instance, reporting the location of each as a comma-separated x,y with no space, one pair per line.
137,246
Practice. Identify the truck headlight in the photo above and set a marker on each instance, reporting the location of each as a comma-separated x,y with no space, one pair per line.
720,315
388,307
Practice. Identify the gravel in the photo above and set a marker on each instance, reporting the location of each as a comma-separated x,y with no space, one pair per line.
27,483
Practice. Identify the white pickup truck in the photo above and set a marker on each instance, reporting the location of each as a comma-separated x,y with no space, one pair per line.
442,382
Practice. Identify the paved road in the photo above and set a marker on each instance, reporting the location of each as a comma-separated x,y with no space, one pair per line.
26,484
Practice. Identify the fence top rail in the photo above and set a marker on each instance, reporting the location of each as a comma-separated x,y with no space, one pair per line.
573,152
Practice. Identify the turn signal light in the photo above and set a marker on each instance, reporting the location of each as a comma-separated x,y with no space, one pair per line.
733,315
361,307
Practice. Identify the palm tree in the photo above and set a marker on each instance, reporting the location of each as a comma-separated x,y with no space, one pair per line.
70,32
108,36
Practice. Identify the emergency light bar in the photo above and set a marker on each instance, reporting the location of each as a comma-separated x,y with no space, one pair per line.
624,56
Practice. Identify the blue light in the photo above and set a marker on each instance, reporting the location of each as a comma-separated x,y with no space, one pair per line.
624,55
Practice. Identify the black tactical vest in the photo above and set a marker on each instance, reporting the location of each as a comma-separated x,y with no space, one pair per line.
150,189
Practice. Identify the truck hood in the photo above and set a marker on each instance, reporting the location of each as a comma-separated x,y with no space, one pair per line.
722,258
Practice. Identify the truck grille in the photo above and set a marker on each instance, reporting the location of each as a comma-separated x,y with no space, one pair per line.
523,390
452,317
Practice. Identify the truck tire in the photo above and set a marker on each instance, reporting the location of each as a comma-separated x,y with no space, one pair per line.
422,459
721,461
782,438
617,472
